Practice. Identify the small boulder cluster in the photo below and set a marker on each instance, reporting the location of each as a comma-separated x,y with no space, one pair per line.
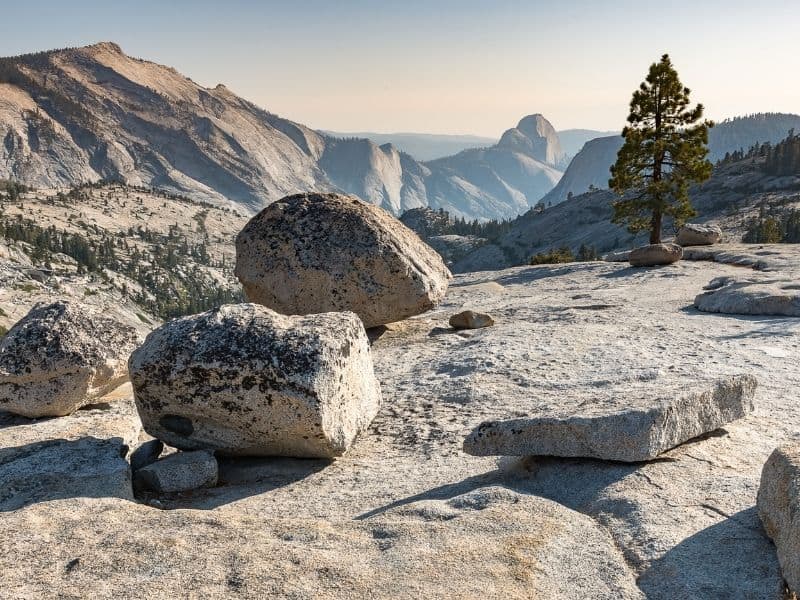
289,373
690,234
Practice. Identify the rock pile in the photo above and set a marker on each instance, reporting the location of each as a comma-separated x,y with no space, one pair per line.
60,357
316,253
244,380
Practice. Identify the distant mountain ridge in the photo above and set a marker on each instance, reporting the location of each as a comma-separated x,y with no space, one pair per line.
591,166
430,146
422,146
93,113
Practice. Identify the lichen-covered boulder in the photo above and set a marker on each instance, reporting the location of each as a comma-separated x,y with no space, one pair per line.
315,253
655,255
693,234
60,357
245,380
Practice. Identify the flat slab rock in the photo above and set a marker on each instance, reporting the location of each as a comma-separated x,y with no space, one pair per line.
489,543
763,296
778,505
628,428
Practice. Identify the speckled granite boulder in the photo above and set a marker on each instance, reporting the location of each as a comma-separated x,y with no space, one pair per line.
778,506
693,234
655,255
245,380
315,253
627,429
60,357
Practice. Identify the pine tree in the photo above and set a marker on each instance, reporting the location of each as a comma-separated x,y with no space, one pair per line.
664,152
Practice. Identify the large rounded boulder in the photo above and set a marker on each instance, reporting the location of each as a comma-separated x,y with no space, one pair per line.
245,380
316,253
60,357
693,234
655,255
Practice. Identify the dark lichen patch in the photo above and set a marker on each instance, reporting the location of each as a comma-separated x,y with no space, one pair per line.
177,424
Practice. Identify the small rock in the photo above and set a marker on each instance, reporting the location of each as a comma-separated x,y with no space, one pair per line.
470,320
178,472
693,234
146,454
750,297
60,357
778,504
244,380
316,253
625,431
655,255
619,256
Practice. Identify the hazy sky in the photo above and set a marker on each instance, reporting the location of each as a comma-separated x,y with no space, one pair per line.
443,66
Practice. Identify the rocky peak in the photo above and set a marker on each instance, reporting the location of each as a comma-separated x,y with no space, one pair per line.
106,46
535,136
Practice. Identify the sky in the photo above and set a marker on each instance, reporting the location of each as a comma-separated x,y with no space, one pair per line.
449,66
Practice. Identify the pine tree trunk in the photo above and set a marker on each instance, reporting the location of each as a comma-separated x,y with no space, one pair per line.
655,227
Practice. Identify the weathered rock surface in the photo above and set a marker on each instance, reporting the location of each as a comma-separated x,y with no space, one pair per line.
655,255
82,455
468,319
179,472
478,544
764,296
245,380
316,253
632,427
778,506
685,525
693,234
60,357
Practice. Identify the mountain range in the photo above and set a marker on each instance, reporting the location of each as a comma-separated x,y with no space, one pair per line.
88,114
430,146
93,113
591,166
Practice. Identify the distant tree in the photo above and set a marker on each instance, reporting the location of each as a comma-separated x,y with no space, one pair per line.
664,152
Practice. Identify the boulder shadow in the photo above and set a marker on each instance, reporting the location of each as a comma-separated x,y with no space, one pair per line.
730,559
241,477
573,482
57,469
8,419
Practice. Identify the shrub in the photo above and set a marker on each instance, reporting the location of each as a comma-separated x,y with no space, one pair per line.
554,256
